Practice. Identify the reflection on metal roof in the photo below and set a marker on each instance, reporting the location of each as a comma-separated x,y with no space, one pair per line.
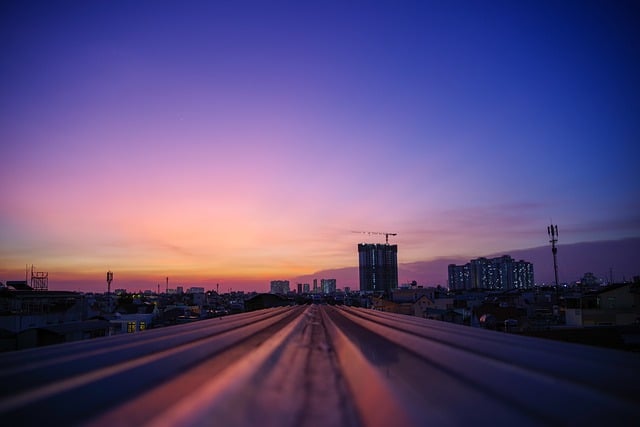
319,365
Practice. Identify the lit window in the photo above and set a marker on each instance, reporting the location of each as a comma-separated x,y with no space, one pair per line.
131,327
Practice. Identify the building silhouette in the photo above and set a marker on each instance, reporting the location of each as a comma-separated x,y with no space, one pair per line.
280,287
378,266
494,273
328,285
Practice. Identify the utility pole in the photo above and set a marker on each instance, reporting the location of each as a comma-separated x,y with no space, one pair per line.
109,280
552,230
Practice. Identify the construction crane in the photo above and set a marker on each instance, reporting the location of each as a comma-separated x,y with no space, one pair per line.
386,235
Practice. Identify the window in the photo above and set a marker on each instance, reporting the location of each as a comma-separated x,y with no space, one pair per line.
131,327
143,326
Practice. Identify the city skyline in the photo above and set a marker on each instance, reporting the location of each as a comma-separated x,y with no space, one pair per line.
240,144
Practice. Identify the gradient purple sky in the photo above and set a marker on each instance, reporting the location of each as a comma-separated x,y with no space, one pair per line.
239,142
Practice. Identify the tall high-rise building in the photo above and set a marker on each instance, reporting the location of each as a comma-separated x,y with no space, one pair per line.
496,273
328,285
378,266
280,287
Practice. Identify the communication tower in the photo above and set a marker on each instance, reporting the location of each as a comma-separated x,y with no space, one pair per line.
552,231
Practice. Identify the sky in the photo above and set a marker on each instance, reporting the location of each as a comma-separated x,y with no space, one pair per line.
239,142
